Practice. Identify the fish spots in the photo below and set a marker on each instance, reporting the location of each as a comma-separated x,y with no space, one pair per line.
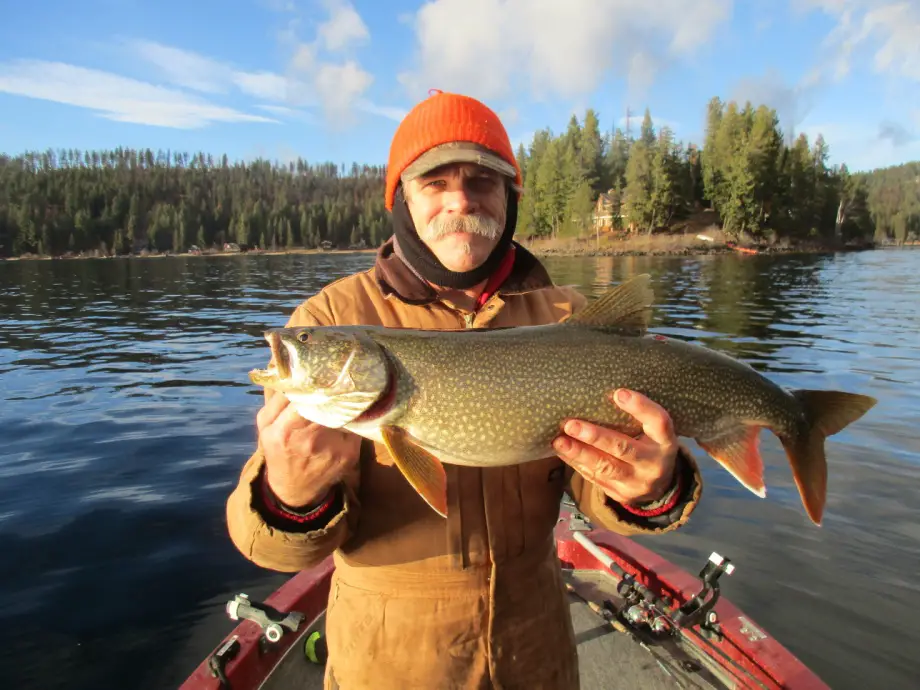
490,398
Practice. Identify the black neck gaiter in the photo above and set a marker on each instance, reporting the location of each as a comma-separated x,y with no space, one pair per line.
421,259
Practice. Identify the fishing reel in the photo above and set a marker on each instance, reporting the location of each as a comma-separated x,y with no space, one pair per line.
642,608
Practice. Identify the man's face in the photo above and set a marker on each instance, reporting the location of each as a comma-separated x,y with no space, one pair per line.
459,213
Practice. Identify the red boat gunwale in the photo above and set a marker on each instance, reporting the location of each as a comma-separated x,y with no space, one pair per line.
307,592
765,658
771,664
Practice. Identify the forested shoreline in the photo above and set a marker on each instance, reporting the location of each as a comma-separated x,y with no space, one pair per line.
762,187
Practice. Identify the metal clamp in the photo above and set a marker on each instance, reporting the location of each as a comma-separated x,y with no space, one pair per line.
272,621
217,662
699,610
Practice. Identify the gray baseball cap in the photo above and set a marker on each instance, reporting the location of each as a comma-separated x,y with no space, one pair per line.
457,152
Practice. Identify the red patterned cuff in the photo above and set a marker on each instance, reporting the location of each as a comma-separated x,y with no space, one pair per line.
278,509
663,505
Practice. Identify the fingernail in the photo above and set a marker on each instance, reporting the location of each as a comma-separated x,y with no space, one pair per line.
573,428
562,444
623,396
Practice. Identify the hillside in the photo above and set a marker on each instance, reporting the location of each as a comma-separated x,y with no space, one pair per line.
578,185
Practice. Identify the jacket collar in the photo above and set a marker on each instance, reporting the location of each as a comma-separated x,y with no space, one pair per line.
395,277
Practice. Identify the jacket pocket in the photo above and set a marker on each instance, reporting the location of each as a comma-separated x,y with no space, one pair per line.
403,642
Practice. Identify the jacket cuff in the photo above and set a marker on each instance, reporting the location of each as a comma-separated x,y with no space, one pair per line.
289,519
666,503
674,507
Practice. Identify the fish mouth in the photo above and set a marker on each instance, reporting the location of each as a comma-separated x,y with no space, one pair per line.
279,368
281,358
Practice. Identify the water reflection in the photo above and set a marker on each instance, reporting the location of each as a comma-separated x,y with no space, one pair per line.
729,303
126,415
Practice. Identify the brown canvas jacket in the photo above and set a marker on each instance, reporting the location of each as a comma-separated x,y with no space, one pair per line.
473,601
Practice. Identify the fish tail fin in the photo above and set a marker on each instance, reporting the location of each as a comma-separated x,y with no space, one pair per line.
738,451
826,413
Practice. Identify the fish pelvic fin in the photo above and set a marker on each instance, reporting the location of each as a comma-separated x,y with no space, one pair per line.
738,451
826,413
627,307
422,470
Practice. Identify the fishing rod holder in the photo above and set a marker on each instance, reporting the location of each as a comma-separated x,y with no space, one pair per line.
643,608
699,609
272,621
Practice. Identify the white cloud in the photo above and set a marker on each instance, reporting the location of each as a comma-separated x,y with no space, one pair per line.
114,97
887,28
563,49
792,102
635,123
510,116
304,58
343,28
642,70
337,85
861,147
201,73
284,111
267,85
185,68
389,112
338,88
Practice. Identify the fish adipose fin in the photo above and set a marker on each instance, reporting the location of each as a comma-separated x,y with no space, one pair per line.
423,470
738,451
626,307
826,413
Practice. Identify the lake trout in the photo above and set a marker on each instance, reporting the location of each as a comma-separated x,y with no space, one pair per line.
491,397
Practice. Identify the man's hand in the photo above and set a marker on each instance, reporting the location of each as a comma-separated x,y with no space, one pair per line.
303,460
629,470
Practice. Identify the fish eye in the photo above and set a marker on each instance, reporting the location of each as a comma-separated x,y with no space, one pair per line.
303,336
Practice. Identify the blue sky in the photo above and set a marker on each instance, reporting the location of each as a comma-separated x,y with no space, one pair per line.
328,80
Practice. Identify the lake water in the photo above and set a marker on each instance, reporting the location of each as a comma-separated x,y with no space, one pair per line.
127,414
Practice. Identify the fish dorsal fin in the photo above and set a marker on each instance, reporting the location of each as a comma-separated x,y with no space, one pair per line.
627,307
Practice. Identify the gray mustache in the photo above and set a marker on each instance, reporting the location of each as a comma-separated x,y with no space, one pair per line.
475,225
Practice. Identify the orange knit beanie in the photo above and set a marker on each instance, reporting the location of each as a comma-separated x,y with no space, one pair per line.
440,119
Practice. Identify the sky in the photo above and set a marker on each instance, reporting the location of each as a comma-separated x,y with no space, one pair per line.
329,80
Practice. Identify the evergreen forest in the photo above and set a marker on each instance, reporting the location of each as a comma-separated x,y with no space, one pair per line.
762,186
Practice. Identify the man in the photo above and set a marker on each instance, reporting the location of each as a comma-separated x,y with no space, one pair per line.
475,600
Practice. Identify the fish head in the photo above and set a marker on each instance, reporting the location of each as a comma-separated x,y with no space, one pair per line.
331,375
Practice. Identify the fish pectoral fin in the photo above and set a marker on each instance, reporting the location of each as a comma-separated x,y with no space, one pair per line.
627,307
738,452
423,470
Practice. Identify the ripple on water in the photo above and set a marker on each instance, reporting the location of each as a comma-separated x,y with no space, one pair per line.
127,415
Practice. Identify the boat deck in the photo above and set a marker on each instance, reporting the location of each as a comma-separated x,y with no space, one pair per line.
607,658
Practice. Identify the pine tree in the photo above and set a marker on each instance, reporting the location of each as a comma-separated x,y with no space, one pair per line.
616,159
591,153
647,133
740,209
711,164
550,190
664,200
638,202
